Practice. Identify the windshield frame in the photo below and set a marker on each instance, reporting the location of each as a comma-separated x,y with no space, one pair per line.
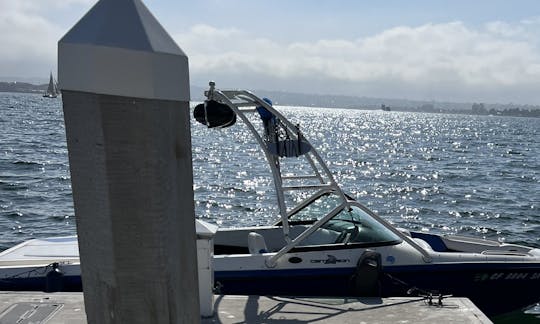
350,203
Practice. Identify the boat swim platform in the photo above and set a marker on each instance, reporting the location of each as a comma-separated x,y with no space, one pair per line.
68,308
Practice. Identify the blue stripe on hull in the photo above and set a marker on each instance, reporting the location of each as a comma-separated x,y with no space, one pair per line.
487,285
68,283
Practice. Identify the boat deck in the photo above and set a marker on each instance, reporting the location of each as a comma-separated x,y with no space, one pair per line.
42,251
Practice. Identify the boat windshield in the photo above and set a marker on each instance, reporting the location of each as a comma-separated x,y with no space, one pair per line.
316,209
350,225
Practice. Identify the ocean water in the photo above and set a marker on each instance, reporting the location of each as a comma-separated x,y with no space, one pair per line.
440,173
458,174
455,174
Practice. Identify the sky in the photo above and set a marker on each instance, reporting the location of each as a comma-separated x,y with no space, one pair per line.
458,51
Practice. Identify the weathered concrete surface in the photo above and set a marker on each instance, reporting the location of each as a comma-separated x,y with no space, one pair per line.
70,312
131,174
255,309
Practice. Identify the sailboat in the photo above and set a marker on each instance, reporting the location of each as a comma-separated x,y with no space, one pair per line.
52,89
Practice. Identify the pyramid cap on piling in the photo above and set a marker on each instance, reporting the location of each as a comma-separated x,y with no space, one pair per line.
119,48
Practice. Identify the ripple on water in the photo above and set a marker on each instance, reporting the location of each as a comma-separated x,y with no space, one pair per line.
437,173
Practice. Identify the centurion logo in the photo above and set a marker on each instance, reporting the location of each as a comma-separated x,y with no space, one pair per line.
331,260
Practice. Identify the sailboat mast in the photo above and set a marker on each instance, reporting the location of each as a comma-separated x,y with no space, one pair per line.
50,89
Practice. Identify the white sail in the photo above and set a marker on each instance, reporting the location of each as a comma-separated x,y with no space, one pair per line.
56,90
52,89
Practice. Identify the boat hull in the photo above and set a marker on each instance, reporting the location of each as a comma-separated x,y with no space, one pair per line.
70,283
484,284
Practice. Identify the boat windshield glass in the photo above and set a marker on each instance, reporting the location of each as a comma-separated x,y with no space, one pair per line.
317,209
350,225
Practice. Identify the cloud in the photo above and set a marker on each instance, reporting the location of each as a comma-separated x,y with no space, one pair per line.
22,32
496,61
29,38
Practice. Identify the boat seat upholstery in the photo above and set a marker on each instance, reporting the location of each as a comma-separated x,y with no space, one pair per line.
256,243
404,231
425,245
319,237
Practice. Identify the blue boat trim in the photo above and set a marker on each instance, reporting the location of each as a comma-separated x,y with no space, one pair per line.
390,269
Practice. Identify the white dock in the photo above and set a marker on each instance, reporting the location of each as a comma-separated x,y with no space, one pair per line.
68,308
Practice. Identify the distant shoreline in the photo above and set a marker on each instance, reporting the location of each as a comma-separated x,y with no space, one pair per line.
344,102
22,87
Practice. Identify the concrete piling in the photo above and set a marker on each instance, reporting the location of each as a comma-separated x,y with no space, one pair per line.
125,91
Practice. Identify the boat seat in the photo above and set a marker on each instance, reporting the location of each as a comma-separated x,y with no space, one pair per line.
404,231
256,243
425,245
319,237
